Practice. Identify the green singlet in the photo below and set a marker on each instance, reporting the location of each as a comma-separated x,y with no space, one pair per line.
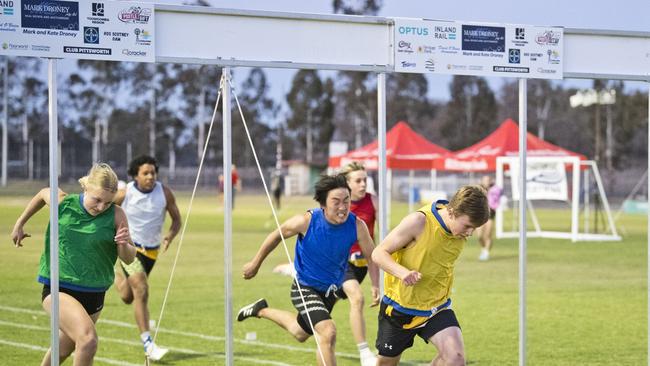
87,249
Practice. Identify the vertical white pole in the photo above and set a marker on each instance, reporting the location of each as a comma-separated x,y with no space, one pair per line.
648,233
5,122
498,221
54,214
227,208
383,192
434,179
411,194
575,201
522,220
586,203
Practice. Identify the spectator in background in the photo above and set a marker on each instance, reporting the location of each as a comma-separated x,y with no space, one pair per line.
277,186
486,231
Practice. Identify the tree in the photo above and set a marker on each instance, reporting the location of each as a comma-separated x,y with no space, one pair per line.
351,7
310,119
471,113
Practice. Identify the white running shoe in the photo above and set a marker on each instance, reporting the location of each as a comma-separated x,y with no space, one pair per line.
485,255
368,360
154,352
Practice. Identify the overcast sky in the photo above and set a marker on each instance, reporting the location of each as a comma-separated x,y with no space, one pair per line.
631,15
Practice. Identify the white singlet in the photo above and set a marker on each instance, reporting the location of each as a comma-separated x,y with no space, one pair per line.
146,214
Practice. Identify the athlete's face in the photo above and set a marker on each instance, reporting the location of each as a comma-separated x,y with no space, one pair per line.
146,177
97,200
337,206
357,181
461,226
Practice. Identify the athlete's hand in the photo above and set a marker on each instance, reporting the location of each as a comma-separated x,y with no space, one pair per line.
122,236
17,236
375,296
250,270
412,278
165,243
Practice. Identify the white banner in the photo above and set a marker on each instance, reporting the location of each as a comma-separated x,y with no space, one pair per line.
442,47
544,181
106,30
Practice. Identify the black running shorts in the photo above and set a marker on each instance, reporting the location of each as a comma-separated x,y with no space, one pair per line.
393,339
318,305
91,301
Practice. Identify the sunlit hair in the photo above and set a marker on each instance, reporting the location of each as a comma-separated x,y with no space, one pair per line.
472,201
102,176
352,167
327,183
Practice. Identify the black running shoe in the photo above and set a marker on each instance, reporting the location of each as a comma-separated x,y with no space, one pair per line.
251,309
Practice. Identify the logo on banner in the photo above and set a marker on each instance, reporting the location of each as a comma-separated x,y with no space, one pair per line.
98,9
7,7
440,32
430,64
413,31
514,69
548,38
514,56
50,14
407,64
482,38
404,47
87,50
127,52
91,35
520,34
553,56
142,37
13,46
8,27
134,14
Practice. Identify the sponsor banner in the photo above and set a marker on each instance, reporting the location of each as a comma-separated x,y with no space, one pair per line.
459,48
98,30
544,181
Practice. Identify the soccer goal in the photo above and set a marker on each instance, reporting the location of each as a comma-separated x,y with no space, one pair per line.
548,180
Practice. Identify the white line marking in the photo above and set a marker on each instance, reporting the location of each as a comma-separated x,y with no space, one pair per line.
44,349
187,334
137,344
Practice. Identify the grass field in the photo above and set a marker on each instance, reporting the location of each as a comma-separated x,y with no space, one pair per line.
587,302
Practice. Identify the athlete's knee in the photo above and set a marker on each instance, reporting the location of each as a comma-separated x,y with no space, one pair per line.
140,289
453,358
327,333
87,342
356,299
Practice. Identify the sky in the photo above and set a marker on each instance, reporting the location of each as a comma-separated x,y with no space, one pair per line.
630,15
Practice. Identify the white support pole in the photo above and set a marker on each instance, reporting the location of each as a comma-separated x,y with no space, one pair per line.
603,197
522,220
5,122
434,179
585,188
227,210
54,213
575,200
383,191
648,234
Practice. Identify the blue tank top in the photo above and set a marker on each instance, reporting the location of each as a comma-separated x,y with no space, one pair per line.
322,253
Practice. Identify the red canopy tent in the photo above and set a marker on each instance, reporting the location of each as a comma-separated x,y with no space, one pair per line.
504,141
405,150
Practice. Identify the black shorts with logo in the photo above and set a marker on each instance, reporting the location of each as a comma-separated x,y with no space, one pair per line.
352,273
393,339
91,301
318,305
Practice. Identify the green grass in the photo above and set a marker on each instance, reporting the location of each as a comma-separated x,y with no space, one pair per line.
587,302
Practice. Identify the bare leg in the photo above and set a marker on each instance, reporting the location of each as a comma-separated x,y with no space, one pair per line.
77,331
122,285
354,293
326,331
388,361
138,284
451,350
286,320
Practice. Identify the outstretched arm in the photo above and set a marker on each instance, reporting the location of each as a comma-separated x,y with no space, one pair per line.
294,226
405,233
367,247
38,201
175,215
125,248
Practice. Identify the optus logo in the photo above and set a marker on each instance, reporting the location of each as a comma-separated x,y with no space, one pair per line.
413,31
